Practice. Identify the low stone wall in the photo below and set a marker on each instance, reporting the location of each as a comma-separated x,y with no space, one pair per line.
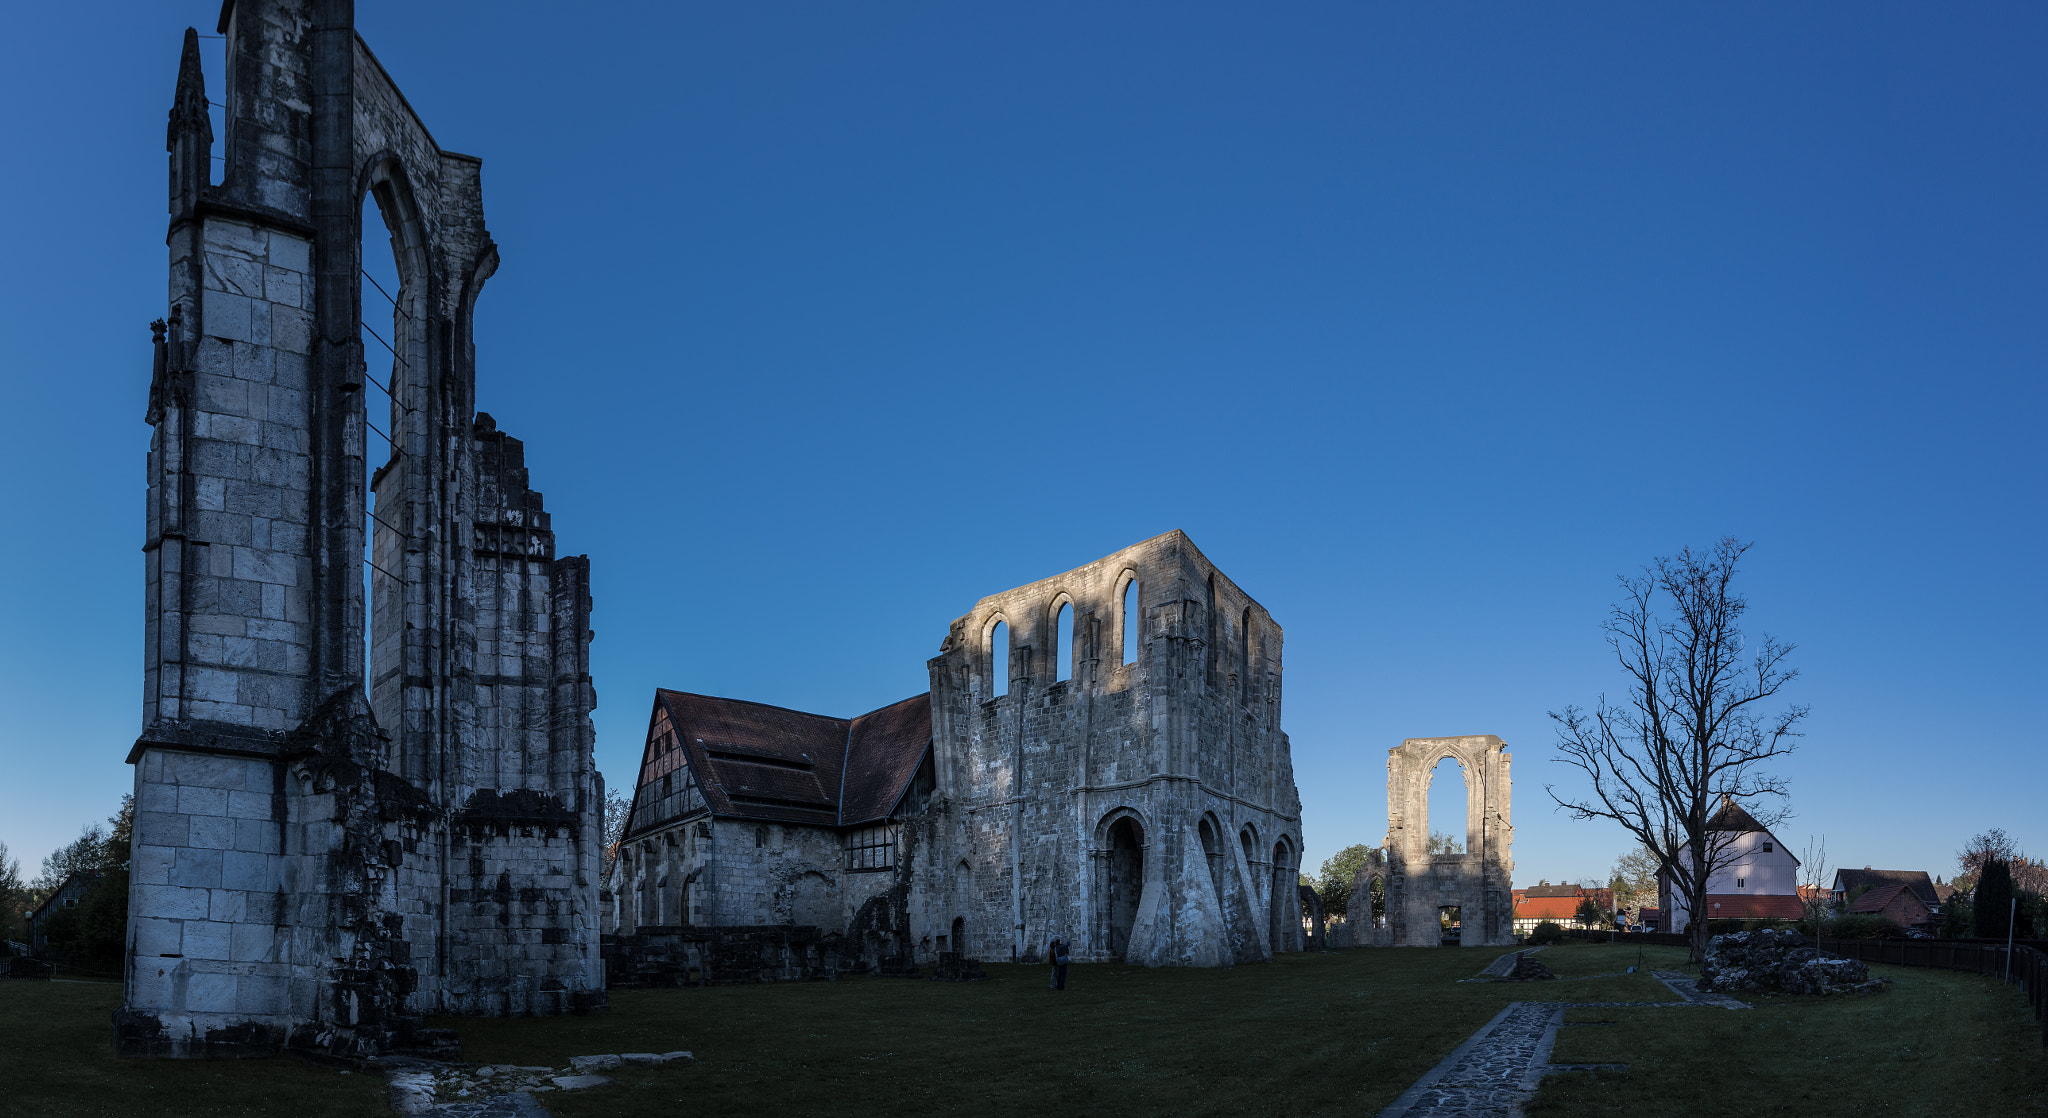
690,955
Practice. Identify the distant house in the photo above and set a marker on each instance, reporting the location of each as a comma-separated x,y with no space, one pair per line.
1760,881
1897,903
1535,910
1850,885
73,890
1652,919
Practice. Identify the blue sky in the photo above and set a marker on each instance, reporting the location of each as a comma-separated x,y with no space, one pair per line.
1425,322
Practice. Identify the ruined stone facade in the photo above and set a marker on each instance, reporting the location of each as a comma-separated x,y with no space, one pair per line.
330,843
1417,886
1099,758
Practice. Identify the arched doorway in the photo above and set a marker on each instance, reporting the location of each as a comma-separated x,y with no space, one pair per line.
1284,884
1126,881
1212,852
958,941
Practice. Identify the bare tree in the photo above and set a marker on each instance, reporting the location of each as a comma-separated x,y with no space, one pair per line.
1634,882
1814,895
1675,762
617,809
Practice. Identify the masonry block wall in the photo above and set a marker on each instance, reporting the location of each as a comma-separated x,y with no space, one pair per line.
330,844
1145,811
1479,882
1142,807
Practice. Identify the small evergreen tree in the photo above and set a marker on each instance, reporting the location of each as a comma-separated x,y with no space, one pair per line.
1993,902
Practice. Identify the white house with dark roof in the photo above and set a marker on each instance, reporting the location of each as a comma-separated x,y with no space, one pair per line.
1759,882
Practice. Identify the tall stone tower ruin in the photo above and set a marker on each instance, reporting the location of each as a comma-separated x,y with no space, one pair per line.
331,842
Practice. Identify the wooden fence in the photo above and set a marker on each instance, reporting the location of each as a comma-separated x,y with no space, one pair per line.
2024,964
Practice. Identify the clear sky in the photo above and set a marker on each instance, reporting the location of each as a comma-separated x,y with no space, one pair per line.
1424,321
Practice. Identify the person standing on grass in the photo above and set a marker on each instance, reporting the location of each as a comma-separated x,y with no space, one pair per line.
1059,955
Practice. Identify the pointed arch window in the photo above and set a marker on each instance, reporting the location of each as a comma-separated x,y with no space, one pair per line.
1063,643
999,660
1129,620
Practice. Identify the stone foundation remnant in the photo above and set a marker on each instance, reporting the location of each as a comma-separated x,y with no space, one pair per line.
1099,758
352,809
1777,960
1417,885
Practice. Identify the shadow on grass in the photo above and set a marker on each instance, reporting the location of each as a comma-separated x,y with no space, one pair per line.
1344,1032
1936,1043
57,1061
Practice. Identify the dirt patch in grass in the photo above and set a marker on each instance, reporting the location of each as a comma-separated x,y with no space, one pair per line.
57,1061
1937,1043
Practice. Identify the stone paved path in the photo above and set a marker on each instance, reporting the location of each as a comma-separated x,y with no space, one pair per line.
1492,1074
1505,965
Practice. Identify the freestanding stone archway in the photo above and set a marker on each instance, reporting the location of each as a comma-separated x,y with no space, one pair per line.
1479,882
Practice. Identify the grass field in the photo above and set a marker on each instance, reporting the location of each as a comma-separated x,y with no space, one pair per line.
1340,1033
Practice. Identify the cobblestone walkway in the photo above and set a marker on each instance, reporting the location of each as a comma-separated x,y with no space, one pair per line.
1492,1074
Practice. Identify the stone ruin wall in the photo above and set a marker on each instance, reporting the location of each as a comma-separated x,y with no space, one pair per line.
1188,732
321,859
1417,883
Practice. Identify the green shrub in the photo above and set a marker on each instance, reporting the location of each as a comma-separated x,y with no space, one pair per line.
1723,927
1549,931
1863,925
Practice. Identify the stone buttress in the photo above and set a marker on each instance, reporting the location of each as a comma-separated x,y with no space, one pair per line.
331,842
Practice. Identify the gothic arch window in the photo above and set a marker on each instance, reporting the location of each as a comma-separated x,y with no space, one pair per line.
998,659
1130,624
1063,639
1244,658
1209,670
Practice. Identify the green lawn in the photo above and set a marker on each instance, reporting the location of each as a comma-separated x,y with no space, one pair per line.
57,1061
1937,1043
1340,1033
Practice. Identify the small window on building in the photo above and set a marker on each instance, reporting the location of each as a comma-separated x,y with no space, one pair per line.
760,836
871,848
1767,848
1741,882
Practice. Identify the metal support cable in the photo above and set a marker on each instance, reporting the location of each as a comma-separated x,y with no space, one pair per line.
386,294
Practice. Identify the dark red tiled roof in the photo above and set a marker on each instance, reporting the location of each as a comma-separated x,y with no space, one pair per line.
1731,817
1548,908
1878,899
883,750
1917,880
1754,906
771,763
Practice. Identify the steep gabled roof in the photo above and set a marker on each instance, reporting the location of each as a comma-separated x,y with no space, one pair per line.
756,761
760,761
1848,881
1878,899
1732,817
883,749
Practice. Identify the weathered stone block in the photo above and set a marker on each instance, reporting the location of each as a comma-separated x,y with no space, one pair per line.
205,939
196,868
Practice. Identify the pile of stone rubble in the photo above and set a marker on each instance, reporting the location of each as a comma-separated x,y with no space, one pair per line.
1777,960
419,1087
